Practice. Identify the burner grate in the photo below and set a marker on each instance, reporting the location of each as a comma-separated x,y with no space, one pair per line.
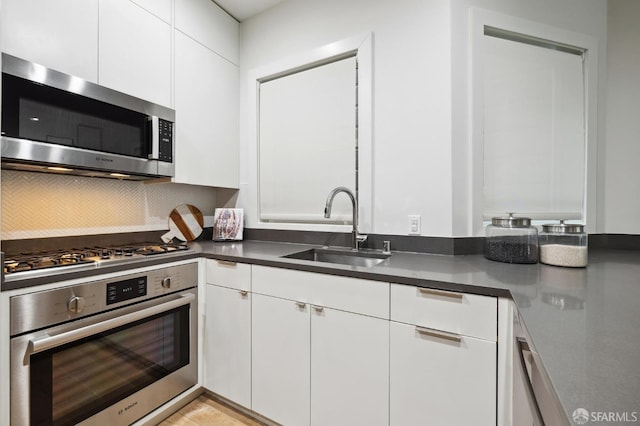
86,255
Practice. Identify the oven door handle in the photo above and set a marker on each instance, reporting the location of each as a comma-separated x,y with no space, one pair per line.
47,342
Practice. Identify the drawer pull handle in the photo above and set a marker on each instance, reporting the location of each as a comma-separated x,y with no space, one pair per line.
443,293
244,293
439,333
318,308
226,262
301,304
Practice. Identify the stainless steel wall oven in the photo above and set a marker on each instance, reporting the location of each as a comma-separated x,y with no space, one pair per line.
105,352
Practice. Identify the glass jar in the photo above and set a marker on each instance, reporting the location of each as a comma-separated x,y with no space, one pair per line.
511,240
563,244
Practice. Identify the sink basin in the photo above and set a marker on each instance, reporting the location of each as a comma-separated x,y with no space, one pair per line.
343,257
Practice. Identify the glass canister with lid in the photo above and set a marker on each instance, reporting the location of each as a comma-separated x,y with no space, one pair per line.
511,240
564,244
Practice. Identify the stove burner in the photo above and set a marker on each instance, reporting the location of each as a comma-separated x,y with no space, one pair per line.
148,250
88,255
29,262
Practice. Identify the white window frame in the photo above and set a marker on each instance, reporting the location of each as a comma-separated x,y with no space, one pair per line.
483,18
362,46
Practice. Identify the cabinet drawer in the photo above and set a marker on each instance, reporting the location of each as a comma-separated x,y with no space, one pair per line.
348,294
459,313
229,274
438,381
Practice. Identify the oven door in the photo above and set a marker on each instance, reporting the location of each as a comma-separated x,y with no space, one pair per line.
113,368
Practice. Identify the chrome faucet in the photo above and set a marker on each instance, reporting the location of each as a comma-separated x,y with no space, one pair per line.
356,238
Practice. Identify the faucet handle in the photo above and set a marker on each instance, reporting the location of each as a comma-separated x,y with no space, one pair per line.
360,238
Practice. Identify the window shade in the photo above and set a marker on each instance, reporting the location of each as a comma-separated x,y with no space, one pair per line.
534,138
307,143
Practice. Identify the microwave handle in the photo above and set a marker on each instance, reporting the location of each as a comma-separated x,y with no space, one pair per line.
155,138
47,342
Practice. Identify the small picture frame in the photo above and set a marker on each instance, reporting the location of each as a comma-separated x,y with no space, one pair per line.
228,224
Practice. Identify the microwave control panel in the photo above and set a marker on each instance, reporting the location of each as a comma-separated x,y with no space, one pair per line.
166,140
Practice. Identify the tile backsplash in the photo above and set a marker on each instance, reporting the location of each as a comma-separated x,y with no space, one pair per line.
39,205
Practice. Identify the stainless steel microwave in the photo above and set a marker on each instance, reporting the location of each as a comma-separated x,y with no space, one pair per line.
56,122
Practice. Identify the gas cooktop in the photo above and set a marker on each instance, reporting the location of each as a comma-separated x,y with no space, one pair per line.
33,263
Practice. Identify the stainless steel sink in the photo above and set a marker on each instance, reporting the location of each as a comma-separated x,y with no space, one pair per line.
343,257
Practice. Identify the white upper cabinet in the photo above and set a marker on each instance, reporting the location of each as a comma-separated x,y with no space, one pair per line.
135,51
206,104
61,34
182,54
160,8
205,22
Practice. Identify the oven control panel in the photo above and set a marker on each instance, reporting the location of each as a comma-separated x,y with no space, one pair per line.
132,288
76,301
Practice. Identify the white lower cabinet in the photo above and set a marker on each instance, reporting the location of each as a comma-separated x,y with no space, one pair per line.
440,380
319,366
281,351
304,348
349,369
227,343
320,353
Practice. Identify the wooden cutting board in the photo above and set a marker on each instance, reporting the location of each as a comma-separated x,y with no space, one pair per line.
185,223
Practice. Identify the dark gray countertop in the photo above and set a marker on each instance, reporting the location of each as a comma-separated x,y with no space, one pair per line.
584,323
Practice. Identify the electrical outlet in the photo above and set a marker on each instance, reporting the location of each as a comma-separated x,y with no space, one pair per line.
414,224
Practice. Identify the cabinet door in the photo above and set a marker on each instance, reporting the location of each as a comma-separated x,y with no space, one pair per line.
227,344
206,22
439,381
280,349
61,34
206,104
161,8
349,369
135,51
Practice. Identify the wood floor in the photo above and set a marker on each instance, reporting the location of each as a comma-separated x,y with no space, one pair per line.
204,411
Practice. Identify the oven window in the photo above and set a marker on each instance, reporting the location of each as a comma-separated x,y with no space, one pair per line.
73,382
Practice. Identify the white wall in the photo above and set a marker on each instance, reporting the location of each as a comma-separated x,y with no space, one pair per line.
622,194
412,120
422,150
